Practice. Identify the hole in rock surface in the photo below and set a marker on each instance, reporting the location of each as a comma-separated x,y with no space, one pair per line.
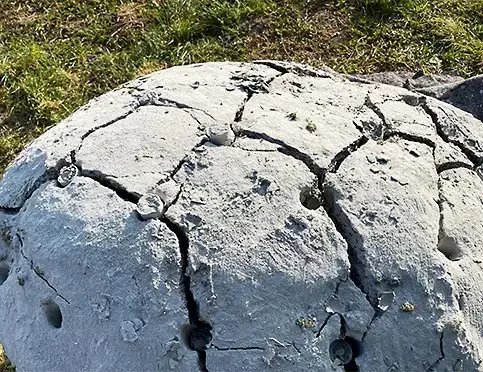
355,345
310,198
52,313
345,351
197,337
4,272
450,248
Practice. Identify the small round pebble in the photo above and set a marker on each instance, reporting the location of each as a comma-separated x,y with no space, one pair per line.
67,174
150,206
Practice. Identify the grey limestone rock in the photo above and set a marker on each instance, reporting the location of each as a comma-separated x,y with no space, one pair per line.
229,217
464,94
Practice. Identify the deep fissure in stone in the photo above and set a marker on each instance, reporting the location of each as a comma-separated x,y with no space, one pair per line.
409,137
238,348
453,165
345,152
371,105
111,184
273,65
110,122
298,70
10,211
285,149
241,109
197,335
176,169
475,159
49,175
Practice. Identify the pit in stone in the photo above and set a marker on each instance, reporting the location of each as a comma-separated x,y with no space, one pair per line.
310,198
52,313
4,272
197,337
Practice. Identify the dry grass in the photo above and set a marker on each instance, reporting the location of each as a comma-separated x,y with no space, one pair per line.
5,365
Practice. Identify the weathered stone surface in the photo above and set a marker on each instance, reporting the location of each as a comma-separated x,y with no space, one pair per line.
257,255
118,287
409,80
466,95
246,217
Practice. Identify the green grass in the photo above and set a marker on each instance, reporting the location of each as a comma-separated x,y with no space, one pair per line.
54,56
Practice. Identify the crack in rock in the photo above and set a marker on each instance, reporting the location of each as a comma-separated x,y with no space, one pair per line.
453,165
385,126
237,348
10,211
339,158
38,271
250,93
297,69
441,350
409,137
326,321
470,154
183,161
241,109
106,181
110,122
201,329
50,174
284,149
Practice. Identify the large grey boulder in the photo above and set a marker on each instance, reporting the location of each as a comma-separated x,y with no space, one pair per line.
246,217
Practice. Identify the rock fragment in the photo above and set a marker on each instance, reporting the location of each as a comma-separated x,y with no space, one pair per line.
150,206
221,135
67,174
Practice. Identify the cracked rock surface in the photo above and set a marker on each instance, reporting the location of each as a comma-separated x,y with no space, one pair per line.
247,217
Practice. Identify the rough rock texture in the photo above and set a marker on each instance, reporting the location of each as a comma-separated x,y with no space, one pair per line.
247,217
464,94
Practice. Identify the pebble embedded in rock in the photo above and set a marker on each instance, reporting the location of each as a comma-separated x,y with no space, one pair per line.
150,206
221,135
67,174
167,191
385,300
